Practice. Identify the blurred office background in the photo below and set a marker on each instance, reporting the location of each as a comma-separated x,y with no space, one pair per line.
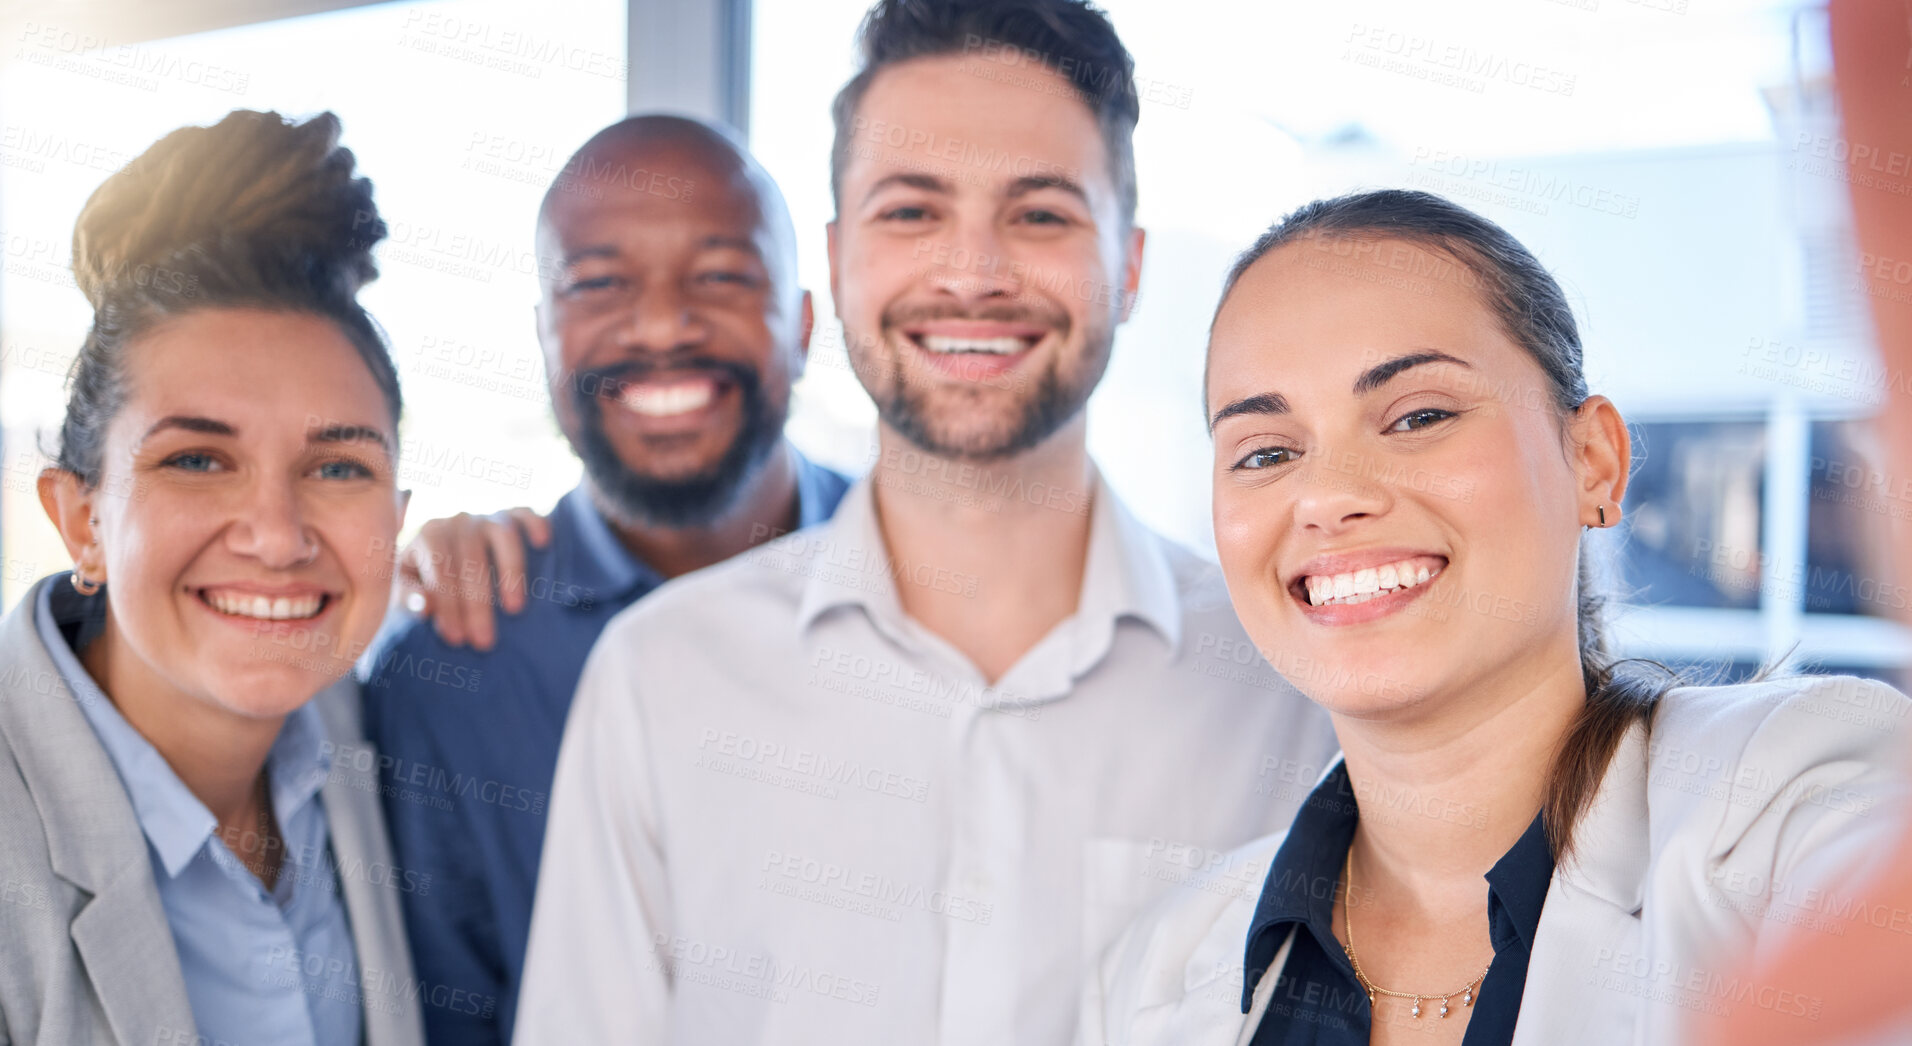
1675,162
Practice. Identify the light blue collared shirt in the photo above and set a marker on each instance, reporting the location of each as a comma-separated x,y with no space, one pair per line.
261,966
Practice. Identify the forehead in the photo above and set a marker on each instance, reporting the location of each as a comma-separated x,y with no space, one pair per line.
1321,306
657,190
974,122
271,369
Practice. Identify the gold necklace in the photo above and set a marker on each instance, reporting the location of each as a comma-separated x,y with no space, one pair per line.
1466,991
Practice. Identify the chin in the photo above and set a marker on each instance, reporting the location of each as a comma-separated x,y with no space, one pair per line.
272,694
1353,685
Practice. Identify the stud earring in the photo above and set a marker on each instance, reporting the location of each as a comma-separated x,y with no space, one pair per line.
1602,509
82,585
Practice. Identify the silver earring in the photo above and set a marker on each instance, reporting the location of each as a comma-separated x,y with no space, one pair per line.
82,585
1602,509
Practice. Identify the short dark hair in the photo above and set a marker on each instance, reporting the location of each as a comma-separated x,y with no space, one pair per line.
1072,38
253,211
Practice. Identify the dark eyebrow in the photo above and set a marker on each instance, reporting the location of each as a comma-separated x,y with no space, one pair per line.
596,250
351,434
736,243
1266,403
911,179
190,423
1382,373
1024,186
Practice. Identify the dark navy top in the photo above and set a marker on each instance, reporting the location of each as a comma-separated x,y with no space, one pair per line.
1316,1000
467,743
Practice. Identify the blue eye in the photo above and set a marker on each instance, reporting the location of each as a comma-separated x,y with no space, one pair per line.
191,461
343,470
1266,457
1420,419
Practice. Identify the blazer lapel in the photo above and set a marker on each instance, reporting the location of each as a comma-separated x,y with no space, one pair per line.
131,960
94,840
1581,986
368,879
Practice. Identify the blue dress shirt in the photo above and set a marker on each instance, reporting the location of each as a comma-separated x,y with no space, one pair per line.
1317,1001
468,743
272,966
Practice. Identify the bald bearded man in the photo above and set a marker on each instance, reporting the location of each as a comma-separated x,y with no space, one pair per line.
672,326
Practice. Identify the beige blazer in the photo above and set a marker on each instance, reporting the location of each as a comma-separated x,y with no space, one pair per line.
86,956
1711,836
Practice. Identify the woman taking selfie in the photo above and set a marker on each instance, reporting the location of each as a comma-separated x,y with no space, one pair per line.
1522,844
188,822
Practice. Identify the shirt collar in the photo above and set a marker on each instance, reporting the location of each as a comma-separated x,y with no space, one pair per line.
174,821
1517,886
586,552
1302,879
594,557
1126,573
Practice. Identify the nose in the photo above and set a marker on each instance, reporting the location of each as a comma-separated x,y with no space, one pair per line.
1338,489
662,320
970,267
272,527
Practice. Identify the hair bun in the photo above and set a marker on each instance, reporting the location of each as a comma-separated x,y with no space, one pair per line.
253,191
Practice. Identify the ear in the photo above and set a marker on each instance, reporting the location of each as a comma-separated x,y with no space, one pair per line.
547,338
805,326
1603,458
72,508
1132,272
830,248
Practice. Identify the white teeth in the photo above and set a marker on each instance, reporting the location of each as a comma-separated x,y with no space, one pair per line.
662,401
993,346
283,608
1359,586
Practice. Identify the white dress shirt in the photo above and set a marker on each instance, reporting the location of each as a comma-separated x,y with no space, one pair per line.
786,813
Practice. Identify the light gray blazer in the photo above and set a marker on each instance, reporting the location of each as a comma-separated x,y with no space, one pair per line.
86,956
1671,884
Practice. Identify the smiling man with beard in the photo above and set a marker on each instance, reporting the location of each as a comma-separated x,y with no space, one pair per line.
673,326
900,778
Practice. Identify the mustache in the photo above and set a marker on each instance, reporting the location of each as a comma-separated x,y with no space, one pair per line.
609,381
1000,312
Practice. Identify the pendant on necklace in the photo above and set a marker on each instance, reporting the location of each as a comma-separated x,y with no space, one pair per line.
1443,1007
1417,1007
